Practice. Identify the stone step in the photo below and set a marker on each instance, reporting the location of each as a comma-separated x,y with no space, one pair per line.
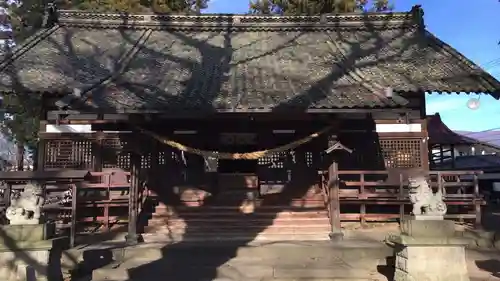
170,212
234,222
161,227
152,272
214,211
256,203
274,263
308,260
242,237
236,208
285,251
240,194
349,249
302,203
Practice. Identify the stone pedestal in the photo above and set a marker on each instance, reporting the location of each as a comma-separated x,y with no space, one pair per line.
24,252
429,250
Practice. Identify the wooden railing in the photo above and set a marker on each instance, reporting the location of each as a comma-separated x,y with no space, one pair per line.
106,192
373,195
99,204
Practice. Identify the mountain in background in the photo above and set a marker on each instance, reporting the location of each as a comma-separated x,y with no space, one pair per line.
491,137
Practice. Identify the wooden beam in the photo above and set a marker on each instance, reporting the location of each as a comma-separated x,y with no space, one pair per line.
81,136
379,113
409,135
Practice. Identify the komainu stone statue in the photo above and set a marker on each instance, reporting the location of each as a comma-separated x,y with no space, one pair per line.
26,206
424,200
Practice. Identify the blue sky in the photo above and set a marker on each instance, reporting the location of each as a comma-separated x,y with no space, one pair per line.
471,27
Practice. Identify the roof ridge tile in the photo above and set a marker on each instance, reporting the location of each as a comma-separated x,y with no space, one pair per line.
146,20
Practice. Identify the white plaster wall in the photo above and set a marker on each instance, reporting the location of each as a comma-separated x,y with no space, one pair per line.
398,128
68,128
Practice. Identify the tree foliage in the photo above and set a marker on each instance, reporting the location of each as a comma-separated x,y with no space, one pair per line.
21,122
316,7
134,6
21,111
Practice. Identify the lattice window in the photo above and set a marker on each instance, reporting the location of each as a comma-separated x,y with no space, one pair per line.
69,154
146,161
113,154
277,160
264,161
309,157
161,158
401,153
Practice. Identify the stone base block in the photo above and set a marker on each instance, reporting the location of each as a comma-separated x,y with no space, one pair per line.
428,218
439,261
427,228
25,260
24,265
27,232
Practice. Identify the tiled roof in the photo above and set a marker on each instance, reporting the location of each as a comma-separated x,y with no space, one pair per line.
471,162
228,62
439,133
489,138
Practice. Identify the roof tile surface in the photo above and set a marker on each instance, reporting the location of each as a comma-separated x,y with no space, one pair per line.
254,66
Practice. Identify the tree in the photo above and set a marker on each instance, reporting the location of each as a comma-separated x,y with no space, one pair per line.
316,7
21,123
134,6
21,110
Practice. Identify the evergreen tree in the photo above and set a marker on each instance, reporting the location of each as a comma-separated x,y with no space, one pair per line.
136,6
20,111
21,123
316,7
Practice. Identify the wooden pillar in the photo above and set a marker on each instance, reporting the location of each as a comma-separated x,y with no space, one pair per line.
334,202
97,151
441,154
74,206
362,211
426,150
154,171
41,149
477,202
452,149
40,155
401,197
132,237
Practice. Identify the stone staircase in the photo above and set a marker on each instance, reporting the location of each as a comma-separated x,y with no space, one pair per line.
325,261
240,215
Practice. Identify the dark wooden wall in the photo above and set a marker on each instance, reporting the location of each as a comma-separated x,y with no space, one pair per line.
371,150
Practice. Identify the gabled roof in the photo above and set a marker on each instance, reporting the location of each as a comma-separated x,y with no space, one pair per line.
472,162
240,62
439,133
489,137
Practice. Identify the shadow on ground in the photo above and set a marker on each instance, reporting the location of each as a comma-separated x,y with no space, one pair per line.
492,266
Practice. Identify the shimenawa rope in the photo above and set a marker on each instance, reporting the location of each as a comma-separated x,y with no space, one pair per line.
233,156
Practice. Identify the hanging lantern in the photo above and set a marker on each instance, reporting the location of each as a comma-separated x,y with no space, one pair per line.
473,103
